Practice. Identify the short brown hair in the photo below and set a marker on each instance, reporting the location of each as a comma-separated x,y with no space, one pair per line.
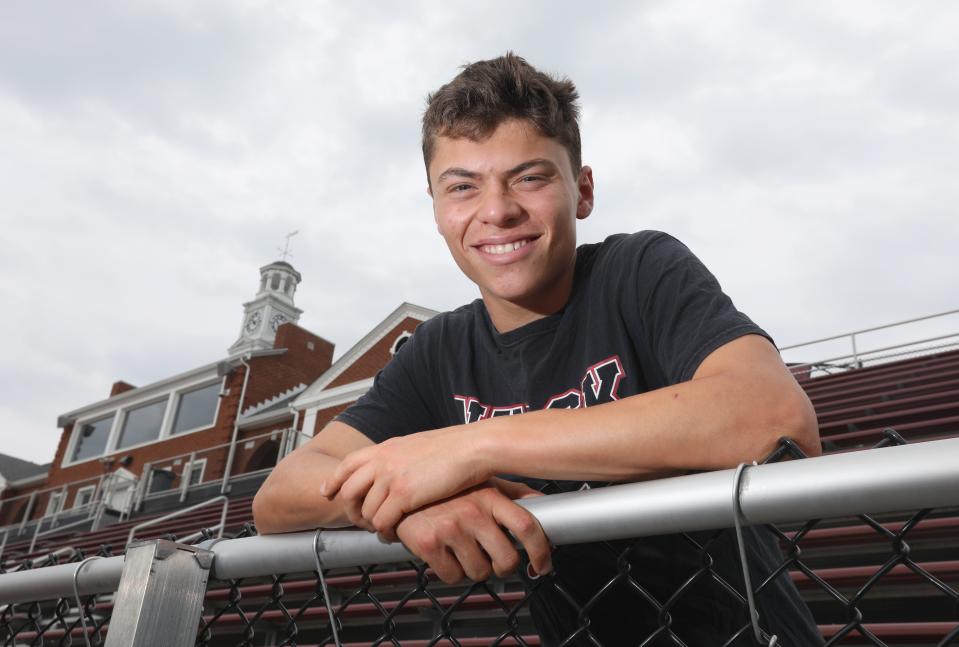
487,93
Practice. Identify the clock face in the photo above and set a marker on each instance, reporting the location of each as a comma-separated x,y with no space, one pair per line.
253,322
276,321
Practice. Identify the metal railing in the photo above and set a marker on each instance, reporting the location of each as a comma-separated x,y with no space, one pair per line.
353,602
224,501
96,508
890,348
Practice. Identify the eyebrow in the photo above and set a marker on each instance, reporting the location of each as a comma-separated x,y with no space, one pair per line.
525,166
456,171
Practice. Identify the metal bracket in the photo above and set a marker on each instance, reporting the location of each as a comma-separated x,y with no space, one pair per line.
758,634
160,594
317,549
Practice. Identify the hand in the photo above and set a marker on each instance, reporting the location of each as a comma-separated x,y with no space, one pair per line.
464,535
381,483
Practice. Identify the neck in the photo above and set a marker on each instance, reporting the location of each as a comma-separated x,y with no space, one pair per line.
508,315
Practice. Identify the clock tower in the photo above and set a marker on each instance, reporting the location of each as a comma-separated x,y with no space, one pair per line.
271,307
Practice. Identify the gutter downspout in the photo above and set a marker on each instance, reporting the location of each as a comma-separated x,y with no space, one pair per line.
295,442
225,487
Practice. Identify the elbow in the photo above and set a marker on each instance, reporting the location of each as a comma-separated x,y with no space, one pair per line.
797,421
262,517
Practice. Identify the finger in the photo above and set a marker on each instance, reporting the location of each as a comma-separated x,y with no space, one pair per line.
347,466
516,490
498,546
474,562
357,485
355,517
527,530
446,566
388,515
373,500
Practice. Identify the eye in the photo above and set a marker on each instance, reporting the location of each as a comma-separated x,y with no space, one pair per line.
459,188
531,180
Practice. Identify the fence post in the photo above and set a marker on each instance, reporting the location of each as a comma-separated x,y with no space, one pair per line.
160,594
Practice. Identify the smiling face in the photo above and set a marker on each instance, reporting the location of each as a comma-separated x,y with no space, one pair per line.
507,207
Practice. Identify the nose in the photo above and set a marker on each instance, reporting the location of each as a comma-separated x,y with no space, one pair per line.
499,208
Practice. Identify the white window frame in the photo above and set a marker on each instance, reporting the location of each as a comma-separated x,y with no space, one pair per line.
400,339
124,412
175,405
202,463
91,489
119,419
54,503
75,433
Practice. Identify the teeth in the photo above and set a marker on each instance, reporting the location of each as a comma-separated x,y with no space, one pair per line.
503,249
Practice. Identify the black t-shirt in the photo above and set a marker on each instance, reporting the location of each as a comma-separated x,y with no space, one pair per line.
643,314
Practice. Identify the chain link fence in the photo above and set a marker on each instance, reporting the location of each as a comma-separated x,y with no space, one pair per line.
868,580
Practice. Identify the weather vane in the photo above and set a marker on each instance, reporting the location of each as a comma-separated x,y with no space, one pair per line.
285,250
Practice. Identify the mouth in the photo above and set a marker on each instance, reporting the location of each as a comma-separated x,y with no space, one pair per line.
505,248
502,249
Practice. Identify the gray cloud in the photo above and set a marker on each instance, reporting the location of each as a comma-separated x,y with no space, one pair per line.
155,156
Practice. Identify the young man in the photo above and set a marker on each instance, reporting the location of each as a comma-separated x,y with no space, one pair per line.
624,358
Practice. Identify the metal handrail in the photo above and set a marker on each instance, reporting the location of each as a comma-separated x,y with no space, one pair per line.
177,513
71,484
865,330
53,530
875,481
863,355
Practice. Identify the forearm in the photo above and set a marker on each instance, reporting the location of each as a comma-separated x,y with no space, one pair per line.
696,425
289,499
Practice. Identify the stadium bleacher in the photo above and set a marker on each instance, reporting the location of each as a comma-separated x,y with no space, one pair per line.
911,602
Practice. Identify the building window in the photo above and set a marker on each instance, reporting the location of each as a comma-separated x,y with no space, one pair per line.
399,341
196,471
196,409
91,439
142,424
84,496
54,503
161,480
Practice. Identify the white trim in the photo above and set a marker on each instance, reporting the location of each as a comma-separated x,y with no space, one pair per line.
29,480
309,423
400,339
119,419
269,402
265,418
178,395
202,463
80,491
126,414
148,391
341,394
54,503
314,394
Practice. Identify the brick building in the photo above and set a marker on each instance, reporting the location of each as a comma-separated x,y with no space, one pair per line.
210,429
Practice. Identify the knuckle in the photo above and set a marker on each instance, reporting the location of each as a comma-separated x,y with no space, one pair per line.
447,527
481,573
428,543
507,564
525,525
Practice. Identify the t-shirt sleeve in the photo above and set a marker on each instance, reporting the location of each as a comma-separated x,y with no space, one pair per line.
683,313
395,405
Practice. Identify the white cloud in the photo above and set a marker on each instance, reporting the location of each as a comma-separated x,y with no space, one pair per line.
155,156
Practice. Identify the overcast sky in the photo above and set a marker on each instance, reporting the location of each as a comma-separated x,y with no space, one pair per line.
154,155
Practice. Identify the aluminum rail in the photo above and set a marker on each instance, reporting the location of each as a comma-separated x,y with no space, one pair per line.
865,330
891,479
176,513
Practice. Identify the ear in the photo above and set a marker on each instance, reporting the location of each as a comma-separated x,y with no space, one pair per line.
584,183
